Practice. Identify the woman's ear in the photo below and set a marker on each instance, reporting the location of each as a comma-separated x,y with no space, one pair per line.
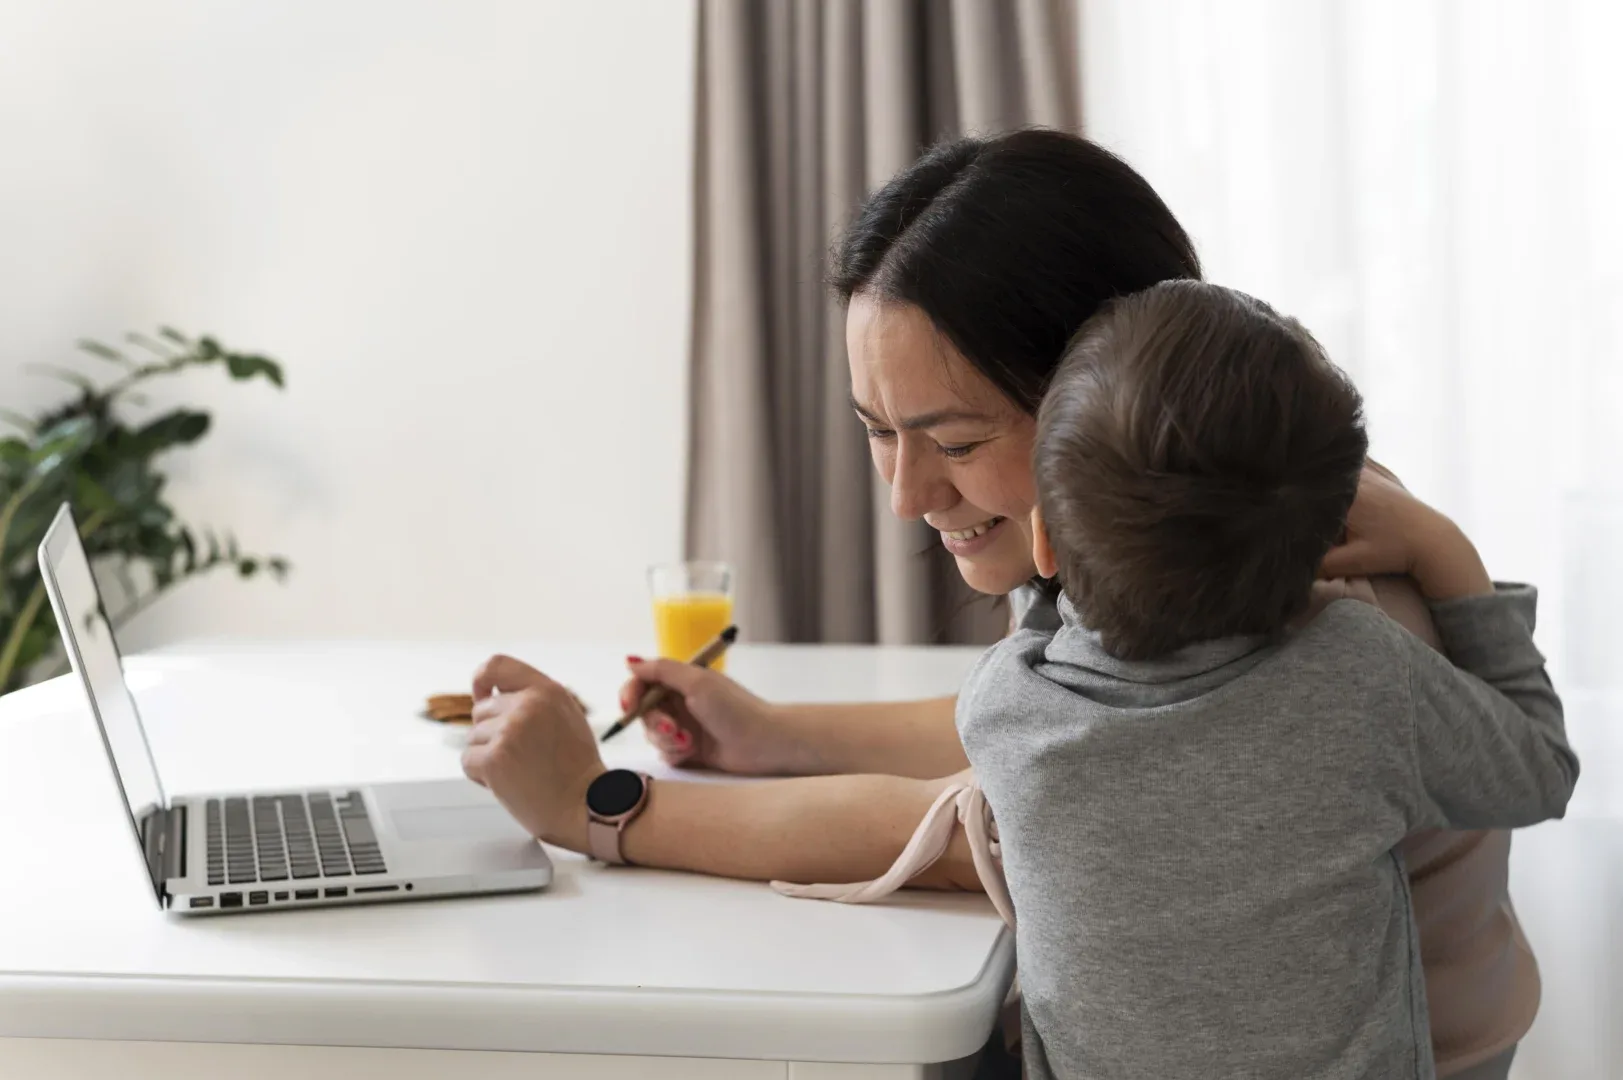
1042,553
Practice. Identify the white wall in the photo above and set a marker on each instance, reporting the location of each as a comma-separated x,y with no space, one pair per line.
464,230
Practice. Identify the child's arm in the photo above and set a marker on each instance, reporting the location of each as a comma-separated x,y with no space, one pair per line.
1489,736
1491,745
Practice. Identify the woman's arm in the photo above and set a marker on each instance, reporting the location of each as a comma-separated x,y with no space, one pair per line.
817,829
713,722
899,738
531,746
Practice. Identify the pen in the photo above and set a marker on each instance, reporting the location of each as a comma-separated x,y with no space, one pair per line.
706,656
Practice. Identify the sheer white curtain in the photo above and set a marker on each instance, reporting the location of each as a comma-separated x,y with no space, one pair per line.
1436,190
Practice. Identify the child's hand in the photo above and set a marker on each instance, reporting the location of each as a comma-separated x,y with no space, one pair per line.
1389,531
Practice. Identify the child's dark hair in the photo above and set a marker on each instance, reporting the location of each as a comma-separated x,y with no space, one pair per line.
1197,454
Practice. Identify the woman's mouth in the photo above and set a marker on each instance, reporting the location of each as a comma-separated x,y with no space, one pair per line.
973,539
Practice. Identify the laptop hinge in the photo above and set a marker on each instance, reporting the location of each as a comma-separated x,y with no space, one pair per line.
163,833
174,852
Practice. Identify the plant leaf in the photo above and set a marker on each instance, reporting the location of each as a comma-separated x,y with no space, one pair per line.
11,652
67,375
18,421
169,333
172,429
131,482
105,352
157,348
92,496
155,515
248,365
65,440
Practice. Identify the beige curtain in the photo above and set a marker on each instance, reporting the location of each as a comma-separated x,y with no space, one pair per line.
803,107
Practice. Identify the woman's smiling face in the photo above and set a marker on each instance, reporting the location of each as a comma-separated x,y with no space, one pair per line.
955,451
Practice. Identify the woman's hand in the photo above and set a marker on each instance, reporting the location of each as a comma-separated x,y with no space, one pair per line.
1389,531
711,722
531,746
1383,529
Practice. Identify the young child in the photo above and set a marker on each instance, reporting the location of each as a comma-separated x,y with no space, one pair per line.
1199,805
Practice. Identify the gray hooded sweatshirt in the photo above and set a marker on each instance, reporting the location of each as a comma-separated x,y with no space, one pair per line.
1200,849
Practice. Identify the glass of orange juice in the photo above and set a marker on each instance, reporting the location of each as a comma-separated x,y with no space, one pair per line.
693,602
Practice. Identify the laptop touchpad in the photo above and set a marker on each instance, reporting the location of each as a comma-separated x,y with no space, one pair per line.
455,823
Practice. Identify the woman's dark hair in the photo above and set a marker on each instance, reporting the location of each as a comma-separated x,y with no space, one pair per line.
1009,244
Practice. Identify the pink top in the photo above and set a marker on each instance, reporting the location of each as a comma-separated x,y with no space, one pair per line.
1482,982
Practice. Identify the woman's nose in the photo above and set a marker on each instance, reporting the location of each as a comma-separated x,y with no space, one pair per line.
917,486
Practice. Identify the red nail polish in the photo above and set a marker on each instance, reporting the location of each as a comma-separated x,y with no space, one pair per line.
665,727
634,660
683,740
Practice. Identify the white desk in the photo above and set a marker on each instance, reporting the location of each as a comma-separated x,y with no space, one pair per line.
609,973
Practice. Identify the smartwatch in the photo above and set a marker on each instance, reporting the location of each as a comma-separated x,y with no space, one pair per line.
612,802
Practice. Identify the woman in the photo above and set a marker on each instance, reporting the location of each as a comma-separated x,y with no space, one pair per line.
963,277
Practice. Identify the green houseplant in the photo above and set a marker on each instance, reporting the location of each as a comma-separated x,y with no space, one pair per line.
87,453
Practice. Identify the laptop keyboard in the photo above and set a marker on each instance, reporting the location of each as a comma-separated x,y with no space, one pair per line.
282,837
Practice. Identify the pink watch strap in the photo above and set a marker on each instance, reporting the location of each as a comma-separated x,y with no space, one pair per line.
603,840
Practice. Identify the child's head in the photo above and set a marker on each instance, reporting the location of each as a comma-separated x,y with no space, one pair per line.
1196,457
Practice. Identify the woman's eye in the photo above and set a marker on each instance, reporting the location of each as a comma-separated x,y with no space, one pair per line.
958,451
879,433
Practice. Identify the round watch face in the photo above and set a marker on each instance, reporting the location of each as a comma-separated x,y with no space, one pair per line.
613,793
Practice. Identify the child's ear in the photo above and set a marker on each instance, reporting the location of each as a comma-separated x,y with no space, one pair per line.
1042,553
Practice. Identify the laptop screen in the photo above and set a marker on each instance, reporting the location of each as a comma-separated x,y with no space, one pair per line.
82,621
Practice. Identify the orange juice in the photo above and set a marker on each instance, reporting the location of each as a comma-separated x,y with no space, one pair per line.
687,622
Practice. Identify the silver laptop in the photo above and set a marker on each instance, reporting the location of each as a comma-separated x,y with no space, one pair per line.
229,852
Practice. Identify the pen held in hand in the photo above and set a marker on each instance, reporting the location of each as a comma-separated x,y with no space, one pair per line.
705,657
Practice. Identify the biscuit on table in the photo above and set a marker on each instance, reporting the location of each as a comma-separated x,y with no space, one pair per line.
458,708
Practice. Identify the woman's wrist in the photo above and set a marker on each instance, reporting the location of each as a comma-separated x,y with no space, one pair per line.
567,828
794,733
